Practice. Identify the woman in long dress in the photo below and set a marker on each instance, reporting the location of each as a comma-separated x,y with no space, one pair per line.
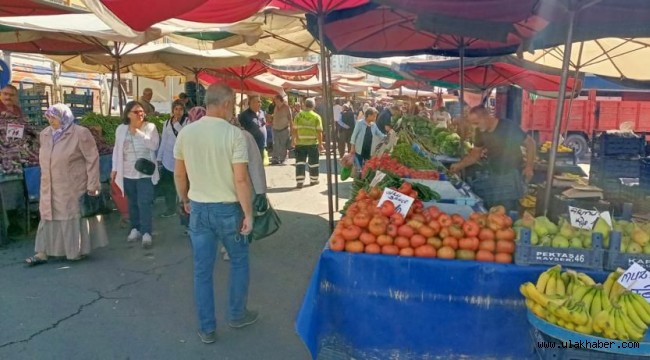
69,164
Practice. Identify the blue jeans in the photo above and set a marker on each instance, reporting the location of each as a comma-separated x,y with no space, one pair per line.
211,223
139,196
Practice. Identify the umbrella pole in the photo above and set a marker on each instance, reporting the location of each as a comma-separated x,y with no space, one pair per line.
559,112
119,78
241,96
461,97
328,110
110,98
197,102
334,133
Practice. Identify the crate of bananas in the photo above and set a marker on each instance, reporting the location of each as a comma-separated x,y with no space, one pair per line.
574,301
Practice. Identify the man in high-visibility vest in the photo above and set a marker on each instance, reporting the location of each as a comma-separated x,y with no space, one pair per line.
308,142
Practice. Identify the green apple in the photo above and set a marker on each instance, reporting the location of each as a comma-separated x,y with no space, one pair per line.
634,248
575,243
560,241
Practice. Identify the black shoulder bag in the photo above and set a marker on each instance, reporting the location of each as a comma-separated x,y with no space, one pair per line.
143,165
266,220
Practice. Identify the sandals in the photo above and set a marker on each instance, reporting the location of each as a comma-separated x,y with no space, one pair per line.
35,260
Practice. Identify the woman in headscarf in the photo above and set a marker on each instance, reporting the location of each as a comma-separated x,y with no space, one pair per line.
195,113
166,159
69,168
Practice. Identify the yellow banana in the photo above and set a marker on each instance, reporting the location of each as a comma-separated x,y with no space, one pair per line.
617,290
551,318
588,299
560,286
535,295
637,304
522,290
579,291
611,279
551,285
631,313
565,277
604,300
587,328
620,326
579,315
571,326
599,321
633,332
586,279
542,281
596,303
539,311
610,333
641,300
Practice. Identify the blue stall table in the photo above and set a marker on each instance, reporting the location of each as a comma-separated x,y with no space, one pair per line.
386,307
105,167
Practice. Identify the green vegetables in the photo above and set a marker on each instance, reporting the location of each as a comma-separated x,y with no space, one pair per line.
108,125
404,153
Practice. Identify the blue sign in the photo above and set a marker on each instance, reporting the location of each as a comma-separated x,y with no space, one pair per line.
5,74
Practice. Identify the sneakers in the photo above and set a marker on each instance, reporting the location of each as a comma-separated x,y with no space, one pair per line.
299,186
146,241
248,319
134,235
208,338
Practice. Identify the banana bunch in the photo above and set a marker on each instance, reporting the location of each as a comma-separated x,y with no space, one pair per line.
560,148
621,321
528,201
611,286
550,282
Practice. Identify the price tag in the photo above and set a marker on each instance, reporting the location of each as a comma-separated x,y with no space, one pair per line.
379,176
607,217
402,202
15,131
583,219
636,278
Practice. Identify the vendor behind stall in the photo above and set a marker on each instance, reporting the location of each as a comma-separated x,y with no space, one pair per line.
501,139
9,101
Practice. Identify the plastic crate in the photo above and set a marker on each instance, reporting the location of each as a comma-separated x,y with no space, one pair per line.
614,168
615,259
528,254
613,145
560,157
553,350
644,174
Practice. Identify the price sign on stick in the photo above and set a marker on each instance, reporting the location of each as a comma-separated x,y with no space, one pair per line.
402,202
379,176
636,278
583,219
15,131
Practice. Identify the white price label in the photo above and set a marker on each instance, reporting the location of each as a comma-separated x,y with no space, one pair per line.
402,202
636,278
379,176
15,131
583,219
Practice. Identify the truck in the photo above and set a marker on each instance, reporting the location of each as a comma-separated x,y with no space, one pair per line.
600,106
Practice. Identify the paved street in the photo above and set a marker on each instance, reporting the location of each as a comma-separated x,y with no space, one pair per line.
125,302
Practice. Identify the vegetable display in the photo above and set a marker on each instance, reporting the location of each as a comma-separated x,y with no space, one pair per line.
576,302
435,140
367,227
17,152
387,164
108,125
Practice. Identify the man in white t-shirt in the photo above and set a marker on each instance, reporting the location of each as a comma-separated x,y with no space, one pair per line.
441,118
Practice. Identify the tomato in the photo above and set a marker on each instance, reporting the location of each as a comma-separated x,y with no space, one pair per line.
445,220
361,220
507,220
347,221
435,225
361,195
337,243
503,258
372,249
507,247
384,240
452,242
446,252
457,219
489,245
377,226
419,218
389,250
406,231
387,208
426,250
484,255
407,251
496,221
413,194
499,209
367,238
375,193
391,230
475,216
354,246
470,228
426,231
444,232
465,255
486,234
469,243
456,231
351,233
414,224
406,188
434,212
402,242
397,219
418,240
436,242
506,234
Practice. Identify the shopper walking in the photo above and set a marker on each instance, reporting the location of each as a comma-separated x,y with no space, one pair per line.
308,142
136,141
282,127
165,158
345,127
69,168
213,183
250,121
365,138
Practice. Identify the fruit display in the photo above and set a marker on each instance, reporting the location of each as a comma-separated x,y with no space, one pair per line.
546,146
576,302
386,163
17,152
635,237
562,235
423,232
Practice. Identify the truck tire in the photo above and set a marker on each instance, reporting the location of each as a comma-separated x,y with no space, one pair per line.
578,143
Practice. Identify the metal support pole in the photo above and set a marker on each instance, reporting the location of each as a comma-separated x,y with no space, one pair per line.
110,97
334,133
327,117
461,55
119,78
559,112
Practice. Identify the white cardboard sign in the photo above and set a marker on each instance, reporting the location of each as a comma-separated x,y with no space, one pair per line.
379,176
582,218
15,131
636,278
402,202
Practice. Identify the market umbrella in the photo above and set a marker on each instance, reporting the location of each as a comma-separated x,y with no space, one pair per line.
250,85
142,14
240,73
31,7
485,74
31,41
383,70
